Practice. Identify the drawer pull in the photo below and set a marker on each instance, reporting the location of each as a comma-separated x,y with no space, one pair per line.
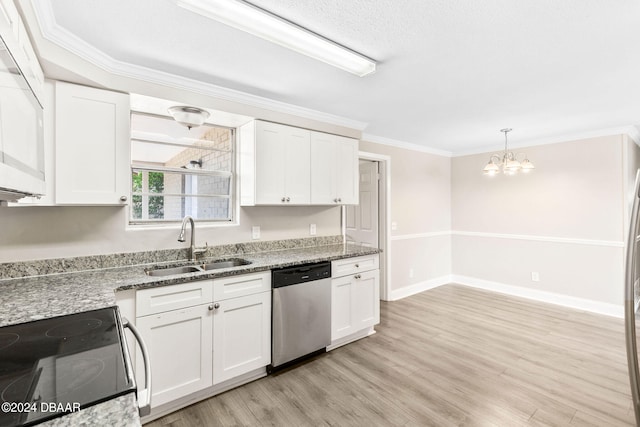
357,276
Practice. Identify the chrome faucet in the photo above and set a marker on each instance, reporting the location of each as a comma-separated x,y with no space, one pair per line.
193,250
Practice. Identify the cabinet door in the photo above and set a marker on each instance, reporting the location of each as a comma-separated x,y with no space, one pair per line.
347,173
241,335
282,164
180,350
92,146
366,299
323,169
297,181
334,169
342,320
270,162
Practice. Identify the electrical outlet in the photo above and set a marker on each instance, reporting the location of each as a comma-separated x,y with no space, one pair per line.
394,225
535,276
255,232
312,229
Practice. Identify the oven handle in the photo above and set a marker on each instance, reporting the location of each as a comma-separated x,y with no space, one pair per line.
144,396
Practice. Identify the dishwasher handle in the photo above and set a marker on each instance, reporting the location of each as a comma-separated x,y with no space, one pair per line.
144,396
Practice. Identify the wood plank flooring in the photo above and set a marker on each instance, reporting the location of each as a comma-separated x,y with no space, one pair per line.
451,356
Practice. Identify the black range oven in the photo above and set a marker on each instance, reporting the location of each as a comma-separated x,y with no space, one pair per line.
54,366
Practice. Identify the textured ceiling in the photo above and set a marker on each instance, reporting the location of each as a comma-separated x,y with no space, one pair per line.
451,73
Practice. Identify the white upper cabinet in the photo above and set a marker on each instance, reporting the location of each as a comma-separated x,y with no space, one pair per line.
21,96
274,164
334,169
285,165
91,146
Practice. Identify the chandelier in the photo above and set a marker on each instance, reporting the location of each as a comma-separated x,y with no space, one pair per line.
508,162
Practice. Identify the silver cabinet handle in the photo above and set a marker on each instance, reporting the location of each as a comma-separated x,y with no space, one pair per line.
210,307
144,396
357,265
339,200
335,200
123,198
357,276
284,199
216,306
288,199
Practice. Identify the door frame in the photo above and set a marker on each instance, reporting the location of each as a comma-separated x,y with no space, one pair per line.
384,216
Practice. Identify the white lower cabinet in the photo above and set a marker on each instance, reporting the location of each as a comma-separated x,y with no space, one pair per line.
241,336
196,343
355,296
180,350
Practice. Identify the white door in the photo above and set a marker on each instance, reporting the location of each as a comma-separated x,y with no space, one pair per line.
180,351
366,299
92,146
241,335
362,219
342,307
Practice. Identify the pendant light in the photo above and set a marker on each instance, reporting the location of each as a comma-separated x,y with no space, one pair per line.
508,162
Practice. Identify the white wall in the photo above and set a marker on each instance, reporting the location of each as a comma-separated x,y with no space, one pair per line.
31,232
421,209
565,220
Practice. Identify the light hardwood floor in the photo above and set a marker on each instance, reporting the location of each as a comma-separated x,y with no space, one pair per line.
451,356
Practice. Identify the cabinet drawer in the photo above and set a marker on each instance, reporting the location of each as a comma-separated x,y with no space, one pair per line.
238,286
344,267
165,298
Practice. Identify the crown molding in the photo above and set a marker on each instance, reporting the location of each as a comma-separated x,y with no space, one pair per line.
402,144
58,35
631,131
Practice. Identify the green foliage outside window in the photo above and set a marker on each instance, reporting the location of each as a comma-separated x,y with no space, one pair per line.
156,203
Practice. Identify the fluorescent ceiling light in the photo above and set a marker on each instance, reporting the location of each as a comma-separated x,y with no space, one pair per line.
261,23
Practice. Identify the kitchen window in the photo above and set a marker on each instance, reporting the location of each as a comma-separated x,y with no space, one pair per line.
176,171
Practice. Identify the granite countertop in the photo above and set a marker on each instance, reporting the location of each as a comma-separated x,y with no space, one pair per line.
121,411
31,298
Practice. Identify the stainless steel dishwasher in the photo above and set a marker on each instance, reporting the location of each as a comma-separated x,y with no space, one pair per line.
301,318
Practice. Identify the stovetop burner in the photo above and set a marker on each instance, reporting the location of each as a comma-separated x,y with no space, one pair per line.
73,328
76,359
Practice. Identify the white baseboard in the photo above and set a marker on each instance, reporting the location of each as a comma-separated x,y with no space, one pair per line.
543,296
416,288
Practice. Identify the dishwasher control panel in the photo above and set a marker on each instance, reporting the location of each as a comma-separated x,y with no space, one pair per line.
300,274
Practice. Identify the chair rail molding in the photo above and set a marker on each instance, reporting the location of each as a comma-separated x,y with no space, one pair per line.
552,239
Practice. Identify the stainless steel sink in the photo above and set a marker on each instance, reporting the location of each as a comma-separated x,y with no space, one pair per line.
227,263
173,271
214,265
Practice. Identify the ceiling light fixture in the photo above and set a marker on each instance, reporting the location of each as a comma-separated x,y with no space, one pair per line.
508,162
189,116
261,23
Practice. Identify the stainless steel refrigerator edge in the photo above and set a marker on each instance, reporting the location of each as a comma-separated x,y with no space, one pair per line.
631,300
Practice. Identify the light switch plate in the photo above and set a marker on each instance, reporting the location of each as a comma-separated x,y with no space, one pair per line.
255,232
312,229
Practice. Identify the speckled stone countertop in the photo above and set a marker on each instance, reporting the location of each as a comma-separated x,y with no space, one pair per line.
25,299
121,411
32,298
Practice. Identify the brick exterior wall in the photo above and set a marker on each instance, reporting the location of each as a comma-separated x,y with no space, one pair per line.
220,159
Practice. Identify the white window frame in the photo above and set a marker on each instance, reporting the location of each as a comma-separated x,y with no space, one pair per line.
234,188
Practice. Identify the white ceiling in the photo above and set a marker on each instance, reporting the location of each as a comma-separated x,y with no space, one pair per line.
451,73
